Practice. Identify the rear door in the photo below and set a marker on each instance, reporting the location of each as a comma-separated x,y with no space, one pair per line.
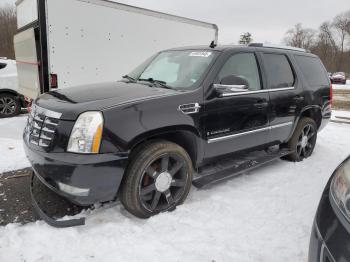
287,97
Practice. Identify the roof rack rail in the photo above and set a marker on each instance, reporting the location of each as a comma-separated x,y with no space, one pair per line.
278,47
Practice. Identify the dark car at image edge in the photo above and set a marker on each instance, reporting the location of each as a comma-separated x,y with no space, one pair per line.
181,117
330,237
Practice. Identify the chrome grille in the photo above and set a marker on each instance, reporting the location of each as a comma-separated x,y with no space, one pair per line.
41,126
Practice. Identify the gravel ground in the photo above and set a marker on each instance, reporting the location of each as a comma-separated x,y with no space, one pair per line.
15,199
341,99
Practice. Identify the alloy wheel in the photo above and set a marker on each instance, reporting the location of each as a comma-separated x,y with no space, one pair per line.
163,183
8,105
306,141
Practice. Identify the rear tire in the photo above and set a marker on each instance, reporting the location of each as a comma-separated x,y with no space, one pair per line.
303,140
9,105
157,180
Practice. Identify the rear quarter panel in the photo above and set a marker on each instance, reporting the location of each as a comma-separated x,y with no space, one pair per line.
316,97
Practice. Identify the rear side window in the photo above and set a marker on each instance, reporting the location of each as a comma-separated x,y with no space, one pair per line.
313,70
279,71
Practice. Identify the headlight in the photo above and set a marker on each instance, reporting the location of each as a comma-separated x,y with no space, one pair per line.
86,134
340,188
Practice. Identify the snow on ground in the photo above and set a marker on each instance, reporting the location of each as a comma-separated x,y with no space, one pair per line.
265,215
339,87
341,115
12,156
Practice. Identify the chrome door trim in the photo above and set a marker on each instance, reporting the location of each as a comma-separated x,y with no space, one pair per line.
222,138
281,125
232,88
259,91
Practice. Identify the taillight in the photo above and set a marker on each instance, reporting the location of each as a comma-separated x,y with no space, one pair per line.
331,94
53,81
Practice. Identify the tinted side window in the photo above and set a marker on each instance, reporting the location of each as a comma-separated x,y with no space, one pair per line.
279,71
313,70
242,65
2,65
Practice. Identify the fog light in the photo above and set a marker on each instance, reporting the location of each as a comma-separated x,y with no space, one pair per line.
76,191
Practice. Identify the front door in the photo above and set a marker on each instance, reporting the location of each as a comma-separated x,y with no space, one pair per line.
238,120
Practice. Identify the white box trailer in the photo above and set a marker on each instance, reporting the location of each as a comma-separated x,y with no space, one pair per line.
66,43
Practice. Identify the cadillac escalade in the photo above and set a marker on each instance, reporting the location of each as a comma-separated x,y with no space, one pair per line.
181,117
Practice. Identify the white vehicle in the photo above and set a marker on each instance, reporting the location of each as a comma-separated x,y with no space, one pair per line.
10,100
67,43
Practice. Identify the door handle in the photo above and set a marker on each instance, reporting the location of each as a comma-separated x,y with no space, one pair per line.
261,105
299,99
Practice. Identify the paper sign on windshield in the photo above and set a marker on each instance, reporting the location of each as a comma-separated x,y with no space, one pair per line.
201,54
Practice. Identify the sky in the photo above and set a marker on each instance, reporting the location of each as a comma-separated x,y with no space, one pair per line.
266,20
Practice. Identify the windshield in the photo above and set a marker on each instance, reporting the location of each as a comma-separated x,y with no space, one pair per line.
181,70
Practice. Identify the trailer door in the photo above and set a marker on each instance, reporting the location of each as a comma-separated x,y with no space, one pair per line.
27,63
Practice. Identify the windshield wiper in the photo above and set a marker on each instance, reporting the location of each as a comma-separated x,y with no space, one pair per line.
159,82
129,78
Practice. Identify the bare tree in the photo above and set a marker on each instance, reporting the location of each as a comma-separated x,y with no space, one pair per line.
8,27
329,42
325,46
347,27
341,23
326,35
300,37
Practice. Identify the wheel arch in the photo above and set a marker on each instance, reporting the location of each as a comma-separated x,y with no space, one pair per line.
12,92
313,112
185,136
8,91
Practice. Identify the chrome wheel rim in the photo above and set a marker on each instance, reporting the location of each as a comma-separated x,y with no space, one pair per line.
163,183
306,141
8,105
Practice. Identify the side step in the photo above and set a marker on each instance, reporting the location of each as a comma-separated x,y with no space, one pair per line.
230,167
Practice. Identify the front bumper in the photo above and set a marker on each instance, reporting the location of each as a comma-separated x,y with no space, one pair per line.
99,175
330,238
51,221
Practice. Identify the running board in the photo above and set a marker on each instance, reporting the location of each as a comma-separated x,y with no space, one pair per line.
231,167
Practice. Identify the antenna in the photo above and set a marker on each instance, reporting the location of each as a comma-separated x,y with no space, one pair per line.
212,44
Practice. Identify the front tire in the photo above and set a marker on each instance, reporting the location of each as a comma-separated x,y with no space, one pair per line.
158,179
9,105
303,140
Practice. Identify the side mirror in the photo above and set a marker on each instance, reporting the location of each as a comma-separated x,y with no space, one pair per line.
230,85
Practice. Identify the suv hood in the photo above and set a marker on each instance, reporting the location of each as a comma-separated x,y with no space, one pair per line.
71,102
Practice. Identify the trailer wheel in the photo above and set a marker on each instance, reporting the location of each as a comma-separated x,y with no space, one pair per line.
158,179
303,140
9,105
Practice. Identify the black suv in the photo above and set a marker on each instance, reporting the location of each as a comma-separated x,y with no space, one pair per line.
183,116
